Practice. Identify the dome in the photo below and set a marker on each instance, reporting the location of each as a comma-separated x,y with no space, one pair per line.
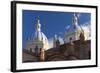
73,28
40,36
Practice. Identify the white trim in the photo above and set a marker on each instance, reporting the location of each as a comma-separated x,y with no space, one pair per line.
36,65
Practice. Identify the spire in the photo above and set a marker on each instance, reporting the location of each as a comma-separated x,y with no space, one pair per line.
38,25
38,21
75,19
55,37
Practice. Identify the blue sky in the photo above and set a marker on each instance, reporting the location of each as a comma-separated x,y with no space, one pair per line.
51,22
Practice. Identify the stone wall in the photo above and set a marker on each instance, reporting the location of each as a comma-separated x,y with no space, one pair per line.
78,50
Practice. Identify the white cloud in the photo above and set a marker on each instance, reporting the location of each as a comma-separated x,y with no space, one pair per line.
87,28
61,40
78,15
67,27
60,33
50,42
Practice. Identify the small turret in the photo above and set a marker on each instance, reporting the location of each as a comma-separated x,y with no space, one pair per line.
42,54
56,41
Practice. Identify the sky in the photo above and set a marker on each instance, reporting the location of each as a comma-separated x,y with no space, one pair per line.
51,23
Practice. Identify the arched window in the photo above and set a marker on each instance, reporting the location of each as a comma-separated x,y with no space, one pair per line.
70,38
36,49
30,49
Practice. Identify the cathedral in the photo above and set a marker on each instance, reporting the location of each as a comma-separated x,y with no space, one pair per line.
76,46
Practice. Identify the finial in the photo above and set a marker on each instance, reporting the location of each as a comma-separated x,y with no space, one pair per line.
38,25
75,19
38,20
74,14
